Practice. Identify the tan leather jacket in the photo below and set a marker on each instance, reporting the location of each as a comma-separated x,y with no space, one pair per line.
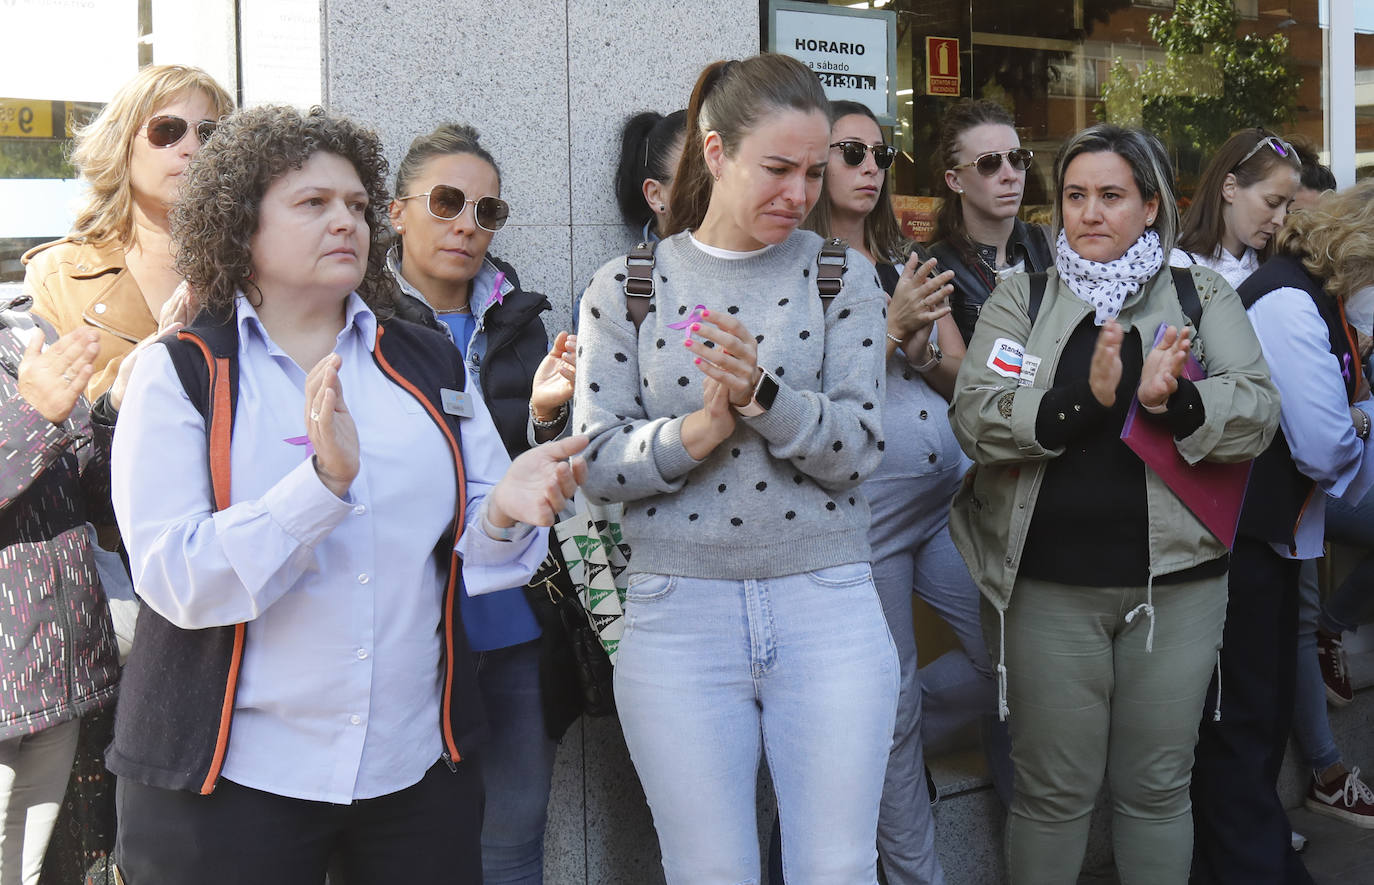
77,283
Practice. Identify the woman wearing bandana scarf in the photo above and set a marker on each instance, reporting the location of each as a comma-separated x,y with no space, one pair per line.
1105,594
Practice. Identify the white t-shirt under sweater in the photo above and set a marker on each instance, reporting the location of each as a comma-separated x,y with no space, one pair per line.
781,495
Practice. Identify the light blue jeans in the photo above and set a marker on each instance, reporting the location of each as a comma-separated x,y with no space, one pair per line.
709,672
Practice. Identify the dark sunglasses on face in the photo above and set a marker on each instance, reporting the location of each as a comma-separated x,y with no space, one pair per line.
446,203
166,130
853,153
990,163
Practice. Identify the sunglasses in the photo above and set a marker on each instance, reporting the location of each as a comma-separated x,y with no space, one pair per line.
991,163
447,202
1281,147
166,130
853,153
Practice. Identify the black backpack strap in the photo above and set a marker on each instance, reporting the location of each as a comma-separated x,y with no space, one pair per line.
639,282
1186,289
831,263
1037,295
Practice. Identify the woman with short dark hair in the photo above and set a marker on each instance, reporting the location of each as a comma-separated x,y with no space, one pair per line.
336,480
1108,592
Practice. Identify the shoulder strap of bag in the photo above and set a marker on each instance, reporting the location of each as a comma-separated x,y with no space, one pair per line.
639,282
831,263
1186,289
1037,295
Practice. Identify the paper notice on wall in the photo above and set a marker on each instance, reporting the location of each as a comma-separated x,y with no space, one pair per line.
280,52
67,50
849,49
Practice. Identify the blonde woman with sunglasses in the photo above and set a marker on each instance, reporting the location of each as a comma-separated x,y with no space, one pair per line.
113,272
977,232
447,209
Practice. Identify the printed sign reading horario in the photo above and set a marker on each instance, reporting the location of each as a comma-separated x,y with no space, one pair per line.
852,51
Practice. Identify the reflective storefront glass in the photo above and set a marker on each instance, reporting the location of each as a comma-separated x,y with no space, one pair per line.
1193,71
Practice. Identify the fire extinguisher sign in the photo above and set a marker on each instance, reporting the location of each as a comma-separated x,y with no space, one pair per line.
942,66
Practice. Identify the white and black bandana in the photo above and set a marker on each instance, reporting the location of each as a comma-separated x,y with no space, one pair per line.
1106,286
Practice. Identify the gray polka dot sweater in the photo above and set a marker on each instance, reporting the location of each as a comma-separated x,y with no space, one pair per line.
781,495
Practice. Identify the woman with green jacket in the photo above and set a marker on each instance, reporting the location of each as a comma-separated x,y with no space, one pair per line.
1105,593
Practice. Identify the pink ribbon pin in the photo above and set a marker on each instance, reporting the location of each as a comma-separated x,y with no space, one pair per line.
497,296
302,441
695,316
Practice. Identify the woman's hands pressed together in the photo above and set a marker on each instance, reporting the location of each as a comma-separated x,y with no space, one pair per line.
330,427
920,299
52,379
1163,366
730,364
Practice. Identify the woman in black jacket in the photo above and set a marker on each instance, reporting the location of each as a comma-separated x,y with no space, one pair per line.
447,209
977,233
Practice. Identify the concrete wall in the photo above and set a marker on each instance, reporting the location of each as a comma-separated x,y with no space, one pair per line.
547,83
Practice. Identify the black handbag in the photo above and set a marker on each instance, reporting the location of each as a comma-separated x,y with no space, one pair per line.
575,673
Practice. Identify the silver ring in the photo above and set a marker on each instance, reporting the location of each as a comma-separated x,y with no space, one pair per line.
68,378
314,416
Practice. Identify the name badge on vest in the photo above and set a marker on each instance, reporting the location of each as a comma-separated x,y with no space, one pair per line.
456,402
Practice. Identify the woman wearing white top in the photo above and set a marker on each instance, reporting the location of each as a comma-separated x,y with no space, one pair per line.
1239,205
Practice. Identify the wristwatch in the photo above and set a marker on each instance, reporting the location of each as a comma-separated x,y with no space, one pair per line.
764,393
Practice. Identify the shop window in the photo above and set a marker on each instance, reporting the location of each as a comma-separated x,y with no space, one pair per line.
1062,65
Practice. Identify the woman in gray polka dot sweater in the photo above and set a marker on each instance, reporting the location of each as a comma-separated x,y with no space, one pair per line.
736,424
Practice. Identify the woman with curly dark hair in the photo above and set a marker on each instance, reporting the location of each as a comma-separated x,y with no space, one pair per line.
339,543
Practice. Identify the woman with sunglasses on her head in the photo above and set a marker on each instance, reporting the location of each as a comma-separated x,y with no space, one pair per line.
448,208
301,697
977,233
650,149
1296,300
1108,592
113,272
910,492
751,617
1239,205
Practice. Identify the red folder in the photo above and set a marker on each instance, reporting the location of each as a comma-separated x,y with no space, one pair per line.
1213,491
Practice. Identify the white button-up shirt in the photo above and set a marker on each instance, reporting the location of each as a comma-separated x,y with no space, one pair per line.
339,692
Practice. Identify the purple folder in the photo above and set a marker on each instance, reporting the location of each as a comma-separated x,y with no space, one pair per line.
1213,491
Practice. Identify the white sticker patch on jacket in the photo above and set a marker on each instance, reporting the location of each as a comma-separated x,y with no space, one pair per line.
1006,358
1030,367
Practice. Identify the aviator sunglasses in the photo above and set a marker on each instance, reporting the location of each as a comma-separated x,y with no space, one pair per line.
988,164
1281,147
446,203
166,130
853,153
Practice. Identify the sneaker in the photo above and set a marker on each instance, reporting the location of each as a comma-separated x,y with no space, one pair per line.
1335,670
1349,800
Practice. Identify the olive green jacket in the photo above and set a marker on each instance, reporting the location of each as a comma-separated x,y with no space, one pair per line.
994,419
